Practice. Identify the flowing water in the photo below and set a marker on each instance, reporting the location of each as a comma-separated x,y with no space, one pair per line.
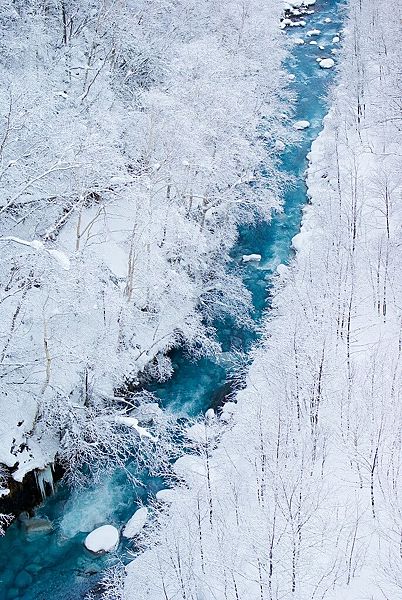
53,565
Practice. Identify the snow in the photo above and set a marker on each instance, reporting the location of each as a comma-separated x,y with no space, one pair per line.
136,523
327,63
313,32
133,422
313,43
103,539
300,125
166,495
336,39
327,20
299,41
251,257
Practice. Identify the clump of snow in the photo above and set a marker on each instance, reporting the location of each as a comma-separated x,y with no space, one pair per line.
336,39
313,32
299,41
103,539
279,145
132,422
327,20
327,63
292,77
251,257
136,523
313,43
165,495
299,125
282,270
321,47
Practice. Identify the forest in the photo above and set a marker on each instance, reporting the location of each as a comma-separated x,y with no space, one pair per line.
137,140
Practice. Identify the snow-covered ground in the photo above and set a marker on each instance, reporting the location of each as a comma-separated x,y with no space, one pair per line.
297,495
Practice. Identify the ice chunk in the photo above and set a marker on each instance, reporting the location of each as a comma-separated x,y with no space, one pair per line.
251,257
299,125
336,39
313,43
136,523
299,41
327,63
327,20
313,32
103,539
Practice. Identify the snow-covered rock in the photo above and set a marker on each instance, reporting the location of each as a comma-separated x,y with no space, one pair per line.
299,41
336,39
136,523
251,257
299,125
327,63
313,43
103,539
327,20
279,145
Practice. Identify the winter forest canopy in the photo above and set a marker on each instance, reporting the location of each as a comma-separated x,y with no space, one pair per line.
136,139
131,150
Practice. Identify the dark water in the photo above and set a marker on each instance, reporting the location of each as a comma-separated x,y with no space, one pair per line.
56,566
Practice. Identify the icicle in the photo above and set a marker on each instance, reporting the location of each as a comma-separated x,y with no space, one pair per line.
44,476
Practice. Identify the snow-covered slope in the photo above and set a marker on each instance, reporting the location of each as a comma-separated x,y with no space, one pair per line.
298,495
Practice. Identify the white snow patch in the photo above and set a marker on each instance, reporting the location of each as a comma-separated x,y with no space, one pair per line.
103,539
136,523
299,41
299,125
313,32
279,145
336,39
327,63
251,257
166,495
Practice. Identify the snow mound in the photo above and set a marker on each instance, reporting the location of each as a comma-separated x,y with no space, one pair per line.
299,125
327,20
327,63
336,39
136,523
299,41
103,539
313,32
165,495
251,257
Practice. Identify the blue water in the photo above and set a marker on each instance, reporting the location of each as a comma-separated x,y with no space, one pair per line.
56,566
